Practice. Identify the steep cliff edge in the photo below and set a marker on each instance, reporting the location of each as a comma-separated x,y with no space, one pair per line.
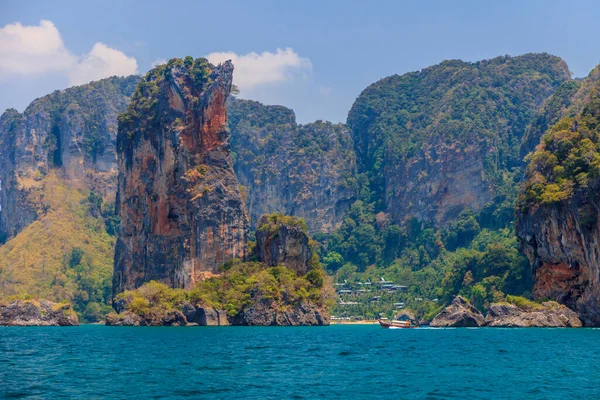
181,211
558,220
71,132
444,139
58,170
302,170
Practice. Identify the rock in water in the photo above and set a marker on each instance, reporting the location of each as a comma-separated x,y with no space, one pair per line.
37,313
178,198
547,314
262,313
458,314
282,240
124,319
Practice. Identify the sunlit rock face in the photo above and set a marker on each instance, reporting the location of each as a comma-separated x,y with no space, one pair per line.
181,211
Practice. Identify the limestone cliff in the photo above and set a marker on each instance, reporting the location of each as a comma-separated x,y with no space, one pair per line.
302,170
558,220
283,240
181,211
561,242
443,139
71,132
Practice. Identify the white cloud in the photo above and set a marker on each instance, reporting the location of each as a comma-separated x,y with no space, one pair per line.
34,50
255,69
101,62
26,50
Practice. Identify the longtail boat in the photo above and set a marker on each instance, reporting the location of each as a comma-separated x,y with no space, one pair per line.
396,324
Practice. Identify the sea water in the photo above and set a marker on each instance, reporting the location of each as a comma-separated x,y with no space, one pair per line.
305,362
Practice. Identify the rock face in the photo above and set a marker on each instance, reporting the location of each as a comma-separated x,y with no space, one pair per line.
263,313
71,131
563,250
181,211
205,316
37,313
302,170
548,314
558,214
437,141
458,314
281,243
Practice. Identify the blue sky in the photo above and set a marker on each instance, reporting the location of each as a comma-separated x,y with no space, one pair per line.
313,56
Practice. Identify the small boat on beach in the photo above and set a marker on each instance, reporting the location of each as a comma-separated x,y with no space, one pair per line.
394,324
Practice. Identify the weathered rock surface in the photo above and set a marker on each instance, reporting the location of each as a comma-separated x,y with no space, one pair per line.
167,318
204,316
458,314
547,314
280,243
72,131
564,252
124,319
181,210
302,170
264,313
37,313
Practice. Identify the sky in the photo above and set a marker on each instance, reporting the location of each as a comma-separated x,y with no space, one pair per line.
312,56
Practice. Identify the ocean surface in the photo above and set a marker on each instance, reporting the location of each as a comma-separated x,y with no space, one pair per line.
335,362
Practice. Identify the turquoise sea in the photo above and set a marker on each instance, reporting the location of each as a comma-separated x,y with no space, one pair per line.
334,362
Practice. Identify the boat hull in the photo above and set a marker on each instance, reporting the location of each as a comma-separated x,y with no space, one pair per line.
395,325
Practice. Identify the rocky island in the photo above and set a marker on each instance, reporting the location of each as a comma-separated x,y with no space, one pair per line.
182,244
286,286
515,312
37,313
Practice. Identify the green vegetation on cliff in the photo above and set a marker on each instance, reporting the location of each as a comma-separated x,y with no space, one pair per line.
238,286
243,284
487,104
567,160
439,166
65,255
93,102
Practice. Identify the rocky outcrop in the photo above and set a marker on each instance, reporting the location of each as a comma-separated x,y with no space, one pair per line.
264,313
71,131
458,314
167,318
437,141
282,240
547,314
204,316
37,313
124,319
561,242
182,214
302,170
